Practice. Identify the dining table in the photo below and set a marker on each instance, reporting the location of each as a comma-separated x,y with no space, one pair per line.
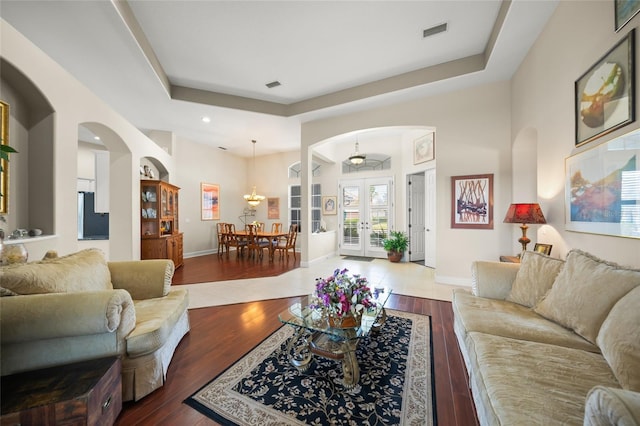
260,235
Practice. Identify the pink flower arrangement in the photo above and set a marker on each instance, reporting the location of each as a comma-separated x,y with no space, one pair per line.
342,294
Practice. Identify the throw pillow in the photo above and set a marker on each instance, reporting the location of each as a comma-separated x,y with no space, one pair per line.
6,292
619,340
85,270
535,277
585,291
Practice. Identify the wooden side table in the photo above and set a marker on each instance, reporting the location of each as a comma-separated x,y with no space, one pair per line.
83,393
510,259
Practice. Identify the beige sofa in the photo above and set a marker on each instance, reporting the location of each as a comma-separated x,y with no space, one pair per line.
77,307
552,342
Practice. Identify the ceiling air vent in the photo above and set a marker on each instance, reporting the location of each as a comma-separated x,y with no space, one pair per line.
273,84
434,30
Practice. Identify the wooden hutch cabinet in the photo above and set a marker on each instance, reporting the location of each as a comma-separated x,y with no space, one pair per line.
159,232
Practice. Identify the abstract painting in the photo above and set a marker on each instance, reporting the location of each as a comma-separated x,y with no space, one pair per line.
602,188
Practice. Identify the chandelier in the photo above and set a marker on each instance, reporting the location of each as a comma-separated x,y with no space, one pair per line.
254,199
357,158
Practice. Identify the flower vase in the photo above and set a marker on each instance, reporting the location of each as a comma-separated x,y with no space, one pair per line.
347,321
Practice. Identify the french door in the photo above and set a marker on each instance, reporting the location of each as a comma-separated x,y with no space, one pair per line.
366,215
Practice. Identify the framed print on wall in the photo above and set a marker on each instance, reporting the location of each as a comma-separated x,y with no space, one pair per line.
472,201
601,188
273,208
604,95
329,205
424,148
625,10
209,201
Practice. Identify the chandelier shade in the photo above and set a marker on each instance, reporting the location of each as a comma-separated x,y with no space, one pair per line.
254,199
357,158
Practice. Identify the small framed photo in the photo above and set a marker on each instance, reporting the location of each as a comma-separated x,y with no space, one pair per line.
273,208
424,148
543,248
604,95
209,201
329,205
472,201
625,10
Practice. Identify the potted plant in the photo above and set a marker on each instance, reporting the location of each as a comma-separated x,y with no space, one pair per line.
396,245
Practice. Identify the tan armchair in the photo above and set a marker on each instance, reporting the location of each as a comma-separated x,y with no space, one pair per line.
80,307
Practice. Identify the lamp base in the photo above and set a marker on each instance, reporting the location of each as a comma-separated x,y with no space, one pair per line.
524,240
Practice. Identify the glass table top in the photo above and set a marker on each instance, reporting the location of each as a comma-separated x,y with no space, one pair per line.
302,314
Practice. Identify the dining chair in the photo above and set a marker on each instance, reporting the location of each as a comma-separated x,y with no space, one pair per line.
221,229
256,244
260,226
276,227
284,244
232,239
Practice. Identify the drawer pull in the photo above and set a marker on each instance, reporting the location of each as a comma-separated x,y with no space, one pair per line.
106,404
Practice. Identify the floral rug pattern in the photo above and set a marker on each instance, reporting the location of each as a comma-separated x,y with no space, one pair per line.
264,388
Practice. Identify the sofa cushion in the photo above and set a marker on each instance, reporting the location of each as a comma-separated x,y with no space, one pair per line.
607,406
155,319
85,270
530,383
585,291
534,279
619,340
508,319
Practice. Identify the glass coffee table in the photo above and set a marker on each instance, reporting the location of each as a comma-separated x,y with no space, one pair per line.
314,336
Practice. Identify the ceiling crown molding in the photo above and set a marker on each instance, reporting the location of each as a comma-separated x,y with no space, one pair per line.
423,76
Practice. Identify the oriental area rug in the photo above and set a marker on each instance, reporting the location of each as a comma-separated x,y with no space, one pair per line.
395,387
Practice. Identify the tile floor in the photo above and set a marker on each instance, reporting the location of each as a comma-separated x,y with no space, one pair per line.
403,278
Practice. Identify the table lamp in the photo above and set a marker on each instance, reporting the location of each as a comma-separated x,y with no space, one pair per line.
524,213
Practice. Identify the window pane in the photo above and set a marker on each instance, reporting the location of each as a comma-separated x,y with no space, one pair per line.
351,219
351,196
378,195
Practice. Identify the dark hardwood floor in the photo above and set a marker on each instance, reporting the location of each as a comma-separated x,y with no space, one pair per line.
220,335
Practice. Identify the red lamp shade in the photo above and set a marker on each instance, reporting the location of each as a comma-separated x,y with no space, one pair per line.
524,213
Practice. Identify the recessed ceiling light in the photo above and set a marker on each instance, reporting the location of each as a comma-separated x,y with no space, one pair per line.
206,119
96,138
273,84
434,30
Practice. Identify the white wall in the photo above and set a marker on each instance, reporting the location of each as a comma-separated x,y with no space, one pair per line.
197,163
473,137
55,155
543,104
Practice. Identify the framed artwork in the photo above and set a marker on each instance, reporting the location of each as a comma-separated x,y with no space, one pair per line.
4,164
472,201
601,188
424,148
273,208
329,205
604,95
625,10
209,201
543,248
